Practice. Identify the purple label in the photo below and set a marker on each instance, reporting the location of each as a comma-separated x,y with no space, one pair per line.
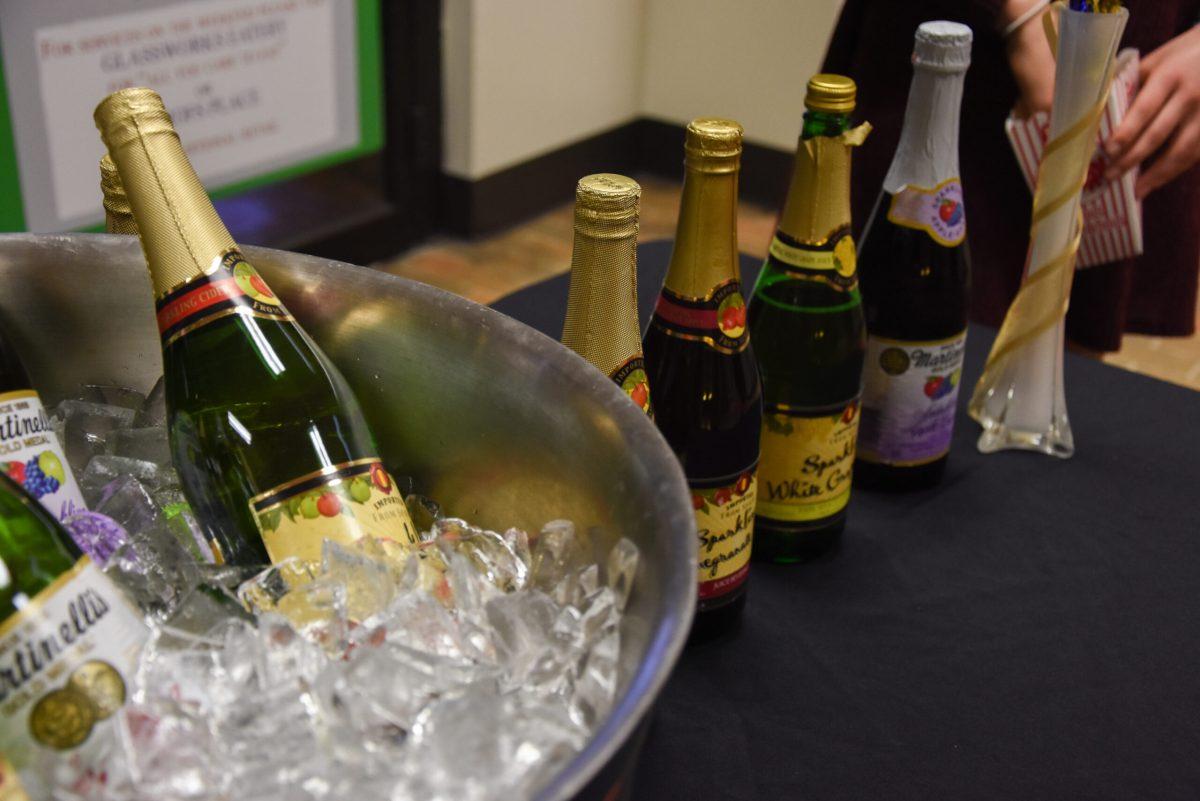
938,212
910,396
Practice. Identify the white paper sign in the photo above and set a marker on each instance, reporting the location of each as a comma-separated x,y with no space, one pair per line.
248,82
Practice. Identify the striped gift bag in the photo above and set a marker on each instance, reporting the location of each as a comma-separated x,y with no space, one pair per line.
1112,216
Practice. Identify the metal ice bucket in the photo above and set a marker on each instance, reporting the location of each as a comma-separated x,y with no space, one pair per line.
495,421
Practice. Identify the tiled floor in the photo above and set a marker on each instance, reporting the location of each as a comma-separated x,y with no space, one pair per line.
491,268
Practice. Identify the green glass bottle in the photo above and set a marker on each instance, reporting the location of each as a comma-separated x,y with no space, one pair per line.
69,643
806,323
271,446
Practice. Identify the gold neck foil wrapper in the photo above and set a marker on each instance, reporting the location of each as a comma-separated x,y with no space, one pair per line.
818,202
705,252
118,217
182,235
602,320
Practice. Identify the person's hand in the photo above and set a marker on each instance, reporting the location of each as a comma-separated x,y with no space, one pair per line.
1165,114
1030,60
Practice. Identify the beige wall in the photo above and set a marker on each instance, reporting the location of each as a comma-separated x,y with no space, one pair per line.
523,77
747,60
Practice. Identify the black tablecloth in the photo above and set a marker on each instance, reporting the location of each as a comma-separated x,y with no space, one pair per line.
1028,630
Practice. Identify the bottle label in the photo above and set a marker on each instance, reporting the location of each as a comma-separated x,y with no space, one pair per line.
232,287
909,399
342,503
10,783
718,320
938,211
834,262
806,462
725,523
67,659
31,455
631,377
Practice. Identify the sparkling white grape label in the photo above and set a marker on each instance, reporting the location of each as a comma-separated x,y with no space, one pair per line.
910,397
67,660
33,457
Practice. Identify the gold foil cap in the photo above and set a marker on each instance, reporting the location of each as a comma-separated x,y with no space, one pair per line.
182,235
833,94
118,217
713,144
606,206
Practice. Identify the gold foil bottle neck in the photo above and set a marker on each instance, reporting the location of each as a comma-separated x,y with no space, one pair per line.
818,202
602,319
712,144
182,235
705,251
833,94
606,206
118,217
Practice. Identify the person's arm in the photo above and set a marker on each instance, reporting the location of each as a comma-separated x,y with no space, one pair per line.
1165,115
1029,56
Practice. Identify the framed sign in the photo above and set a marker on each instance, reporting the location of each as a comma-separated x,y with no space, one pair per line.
260,91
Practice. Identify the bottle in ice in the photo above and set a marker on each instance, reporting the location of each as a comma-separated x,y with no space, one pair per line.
602,315
30,453
915,272
118,217
271,446
806,322
707,400
69,643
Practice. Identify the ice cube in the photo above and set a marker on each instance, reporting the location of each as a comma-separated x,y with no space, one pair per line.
87,427
145,444
104,469
109,395
622,569
153,411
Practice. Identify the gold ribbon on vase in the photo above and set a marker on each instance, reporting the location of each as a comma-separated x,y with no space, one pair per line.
1045,292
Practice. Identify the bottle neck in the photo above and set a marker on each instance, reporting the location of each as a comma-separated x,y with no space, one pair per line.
182,235
705,253
818,201
928,151
602,323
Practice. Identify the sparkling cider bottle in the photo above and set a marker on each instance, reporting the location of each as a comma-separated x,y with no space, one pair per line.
270,443
915,272
68,650
708,403
602,315
806,322
118,217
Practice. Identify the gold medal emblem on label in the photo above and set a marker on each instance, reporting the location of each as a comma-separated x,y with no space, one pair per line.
101,684
62,719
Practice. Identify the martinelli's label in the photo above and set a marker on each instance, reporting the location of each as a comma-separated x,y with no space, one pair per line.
725,524
717,320
233,286
833,262
909,399
631,378
67,661
937,211
32,456
806,462
342,503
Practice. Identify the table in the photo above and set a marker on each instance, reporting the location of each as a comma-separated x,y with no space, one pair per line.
1029,630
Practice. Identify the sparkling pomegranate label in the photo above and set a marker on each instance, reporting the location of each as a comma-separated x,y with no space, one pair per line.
834,262
725,524
67,660
910,397
806,462
718,320
631,377
31,455
342,503
938,211
233,287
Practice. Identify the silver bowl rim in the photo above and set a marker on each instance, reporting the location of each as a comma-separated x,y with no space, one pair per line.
666,642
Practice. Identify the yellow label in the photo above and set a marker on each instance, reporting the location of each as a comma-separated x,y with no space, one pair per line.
725,524
10,784
806,463
342,503
842,259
